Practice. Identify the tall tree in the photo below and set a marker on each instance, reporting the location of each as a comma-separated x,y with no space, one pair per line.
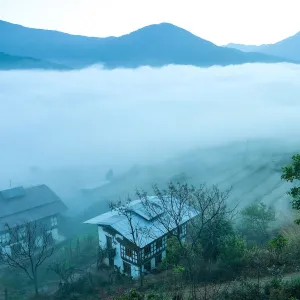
30,245
256,220
291,173
200,209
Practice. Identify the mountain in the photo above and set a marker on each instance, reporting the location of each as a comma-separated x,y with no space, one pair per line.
288,48
245,48
9,62
154,45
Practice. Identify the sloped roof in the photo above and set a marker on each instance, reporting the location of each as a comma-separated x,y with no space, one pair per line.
149,228
30,204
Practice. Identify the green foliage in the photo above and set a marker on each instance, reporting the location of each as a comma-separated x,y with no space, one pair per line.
256,220
179,269
273,290
245,291
174,253
278,243
136,295
232,252
212,238
291,173
132,295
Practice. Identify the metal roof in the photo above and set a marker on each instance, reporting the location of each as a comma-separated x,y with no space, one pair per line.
149,229
33,203
13,193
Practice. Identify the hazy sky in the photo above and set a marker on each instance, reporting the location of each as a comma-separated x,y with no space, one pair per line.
220,21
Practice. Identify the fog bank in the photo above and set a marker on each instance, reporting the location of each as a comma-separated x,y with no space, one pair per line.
79,120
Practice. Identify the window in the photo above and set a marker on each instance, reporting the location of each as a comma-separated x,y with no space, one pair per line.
158,259
158,244
128,252
134,256
4,238
147,266
147,250
53,221
127,268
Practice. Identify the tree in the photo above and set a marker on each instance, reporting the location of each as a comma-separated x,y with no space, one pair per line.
202,209
136,232
181,178
291,173
278,244
256,220
109,175
232,252
30,245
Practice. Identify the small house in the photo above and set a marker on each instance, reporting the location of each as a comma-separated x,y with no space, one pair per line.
38,203
148,249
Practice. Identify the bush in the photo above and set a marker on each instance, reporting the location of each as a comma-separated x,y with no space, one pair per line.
292,287
232,253
246,291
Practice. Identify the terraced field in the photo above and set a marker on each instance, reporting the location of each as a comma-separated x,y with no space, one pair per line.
252,169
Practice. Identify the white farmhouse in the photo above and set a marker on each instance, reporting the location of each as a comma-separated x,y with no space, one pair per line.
38,203
115,235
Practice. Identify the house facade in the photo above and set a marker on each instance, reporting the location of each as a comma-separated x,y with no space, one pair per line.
121,252
34,204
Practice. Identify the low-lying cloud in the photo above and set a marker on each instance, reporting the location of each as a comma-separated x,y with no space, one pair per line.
91,117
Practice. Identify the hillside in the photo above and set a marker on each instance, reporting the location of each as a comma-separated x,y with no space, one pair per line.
9,62
154,45
287,48
252,169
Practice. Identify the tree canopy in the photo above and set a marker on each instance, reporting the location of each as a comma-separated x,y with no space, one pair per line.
291,173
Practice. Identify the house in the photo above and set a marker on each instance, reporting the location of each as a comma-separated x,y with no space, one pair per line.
19,205
144,252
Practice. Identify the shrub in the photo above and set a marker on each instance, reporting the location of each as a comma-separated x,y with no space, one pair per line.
232,252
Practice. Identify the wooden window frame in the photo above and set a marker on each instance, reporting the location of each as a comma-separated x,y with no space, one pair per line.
147,250
159,243
128,252
127,268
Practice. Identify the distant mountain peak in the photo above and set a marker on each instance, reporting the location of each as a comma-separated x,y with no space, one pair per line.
153,45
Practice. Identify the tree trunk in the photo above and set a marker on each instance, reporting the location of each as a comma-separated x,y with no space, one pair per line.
35,281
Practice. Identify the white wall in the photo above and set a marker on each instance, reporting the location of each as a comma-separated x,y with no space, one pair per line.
102,242
117,259
152,263
164,254
135,273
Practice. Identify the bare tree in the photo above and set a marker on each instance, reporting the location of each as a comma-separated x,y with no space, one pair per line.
136,232
201,209
30,245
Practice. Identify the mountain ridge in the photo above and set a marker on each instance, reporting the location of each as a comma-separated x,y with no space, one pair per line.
153,45
12,62
287,48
